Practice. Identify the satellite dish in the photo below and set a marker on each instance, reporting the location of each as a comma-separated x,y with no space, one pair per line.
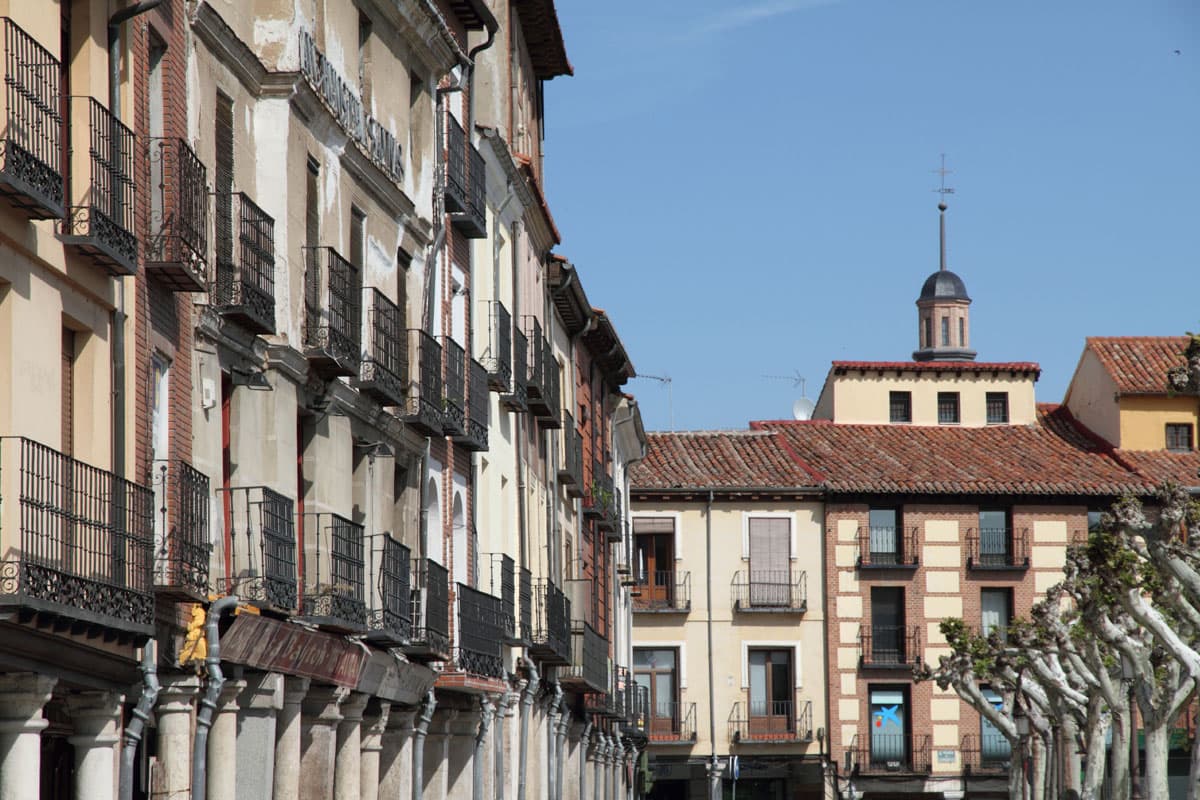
802,409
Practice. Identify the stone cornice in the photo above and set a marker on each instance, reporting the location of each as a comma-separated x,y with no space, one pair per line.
535,219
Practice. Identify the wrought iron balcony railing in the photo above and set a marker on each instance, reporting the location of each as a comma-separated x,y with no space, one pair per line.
535,374
570,471
599,501
502,583
883,753
334,561
475,437
518,399
77,541
260,565
423,406
454,401
480,631
31,141
885,547
551,641
181,544
431,612
332,312
670,722
389,599
770,590
499,354
989,753
244,290
765,720
997,549
385,358
99,223
177,247
637,706
466,182
549,412
589,660
524,605
663,590
889,646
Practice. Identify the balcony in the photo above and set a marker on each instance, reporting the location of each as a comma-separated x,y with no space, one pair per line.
261,538
551,642
535,374
499,354
637,704
989,754
466,182
502,583
244,291
77,541
389,599
332,312
423,407
454,401
664,591
887,548
181,546
480,631
589,660
431,613
177,248
889,646
518,399
475,437
551,389
31,146
570,472
890,754
669,722
333,573
997,549
770,721
782,591
381,375
524,606
599,501
100,226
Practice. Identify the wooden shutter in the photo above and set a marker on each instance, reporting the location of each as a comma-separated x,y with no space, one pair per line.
68,391
770,561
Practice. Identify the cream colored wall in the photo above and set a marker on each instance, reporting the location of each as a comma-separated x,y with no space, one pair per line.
863,398
1092,398
1144,420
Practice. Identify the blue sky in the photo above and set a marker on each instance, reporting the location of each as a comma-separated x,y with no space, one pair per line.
746,187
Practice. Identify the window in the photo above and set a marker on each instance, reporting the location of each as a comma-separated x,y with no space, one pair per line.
887,626
997,408
995,538
223,179
947,408
160,408
1094,517
945,331
654,562
1179,437
900,407
889,726
67,384
358,227
962,332
994,747
312,204
927,338
658,671
771,692
995,611
770,561
364,59
883,535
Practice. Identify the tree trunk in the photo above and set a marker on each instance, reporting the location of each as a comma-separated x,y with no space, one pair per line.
1016,775
1038,756
1093,778
1158,742
1071,760
1119,756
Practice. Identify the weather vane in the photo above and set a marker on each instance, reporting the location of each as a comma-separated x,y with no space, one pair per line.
943,190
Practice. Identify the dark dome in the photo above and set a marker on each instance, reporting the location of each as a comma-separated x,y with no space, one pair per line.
944,285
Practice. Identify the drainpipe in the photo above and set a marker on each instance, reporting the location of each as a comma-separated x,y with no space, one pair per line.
714,776
518,425
564,720
527,709
486,709
552,713
583,748
208,703
418,752
498,743
492,27
141,712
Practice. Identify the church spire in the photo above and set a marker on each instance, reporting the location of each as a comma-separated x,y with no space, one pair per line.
943,308
943,190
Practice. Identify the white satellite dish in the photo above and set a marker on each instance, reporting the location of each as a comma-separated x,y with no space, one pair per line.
802,409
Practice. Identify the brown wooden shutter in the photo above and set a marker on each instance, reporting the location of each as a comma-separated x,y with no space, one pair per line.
68,391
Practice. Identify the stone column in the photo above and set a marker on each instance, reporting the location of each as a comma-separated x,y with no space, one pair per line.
173,713
22,695
374,724
395,757
460,752
318,741
96,718
260,701
222,743
347,774
286,780
435,767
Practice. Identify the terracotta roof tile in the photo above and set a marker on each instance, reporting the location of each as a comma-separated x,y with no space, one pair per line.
1159,466
1138,364
941,366
719,460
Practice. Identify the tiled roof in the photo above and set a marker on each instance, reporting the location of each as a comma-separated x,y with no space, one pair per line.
719,460
1138,364
1052,456
940,366
1160,466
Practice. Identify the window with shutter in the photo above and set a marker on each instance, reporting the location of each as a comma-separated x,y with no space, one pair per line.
770,561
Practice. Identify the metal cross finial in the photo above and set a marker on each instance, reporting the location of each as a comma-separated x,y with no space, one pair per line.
942,189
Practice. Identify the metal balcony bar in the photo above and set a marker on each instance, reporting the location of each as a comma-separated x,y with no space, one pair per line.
883,753
332,312
177,247
77,540
31,171
474,223
518,398
385,358
431,612
475,437
333,572
896,646
770,590
670,722
261,542
101,224
589,660
423,407
456,166
599,498
664,590
767,720
499,353
181,544
535,376
502,583
525,603
244,290
637,706
466,182
887,547
997,548
991,752
389,602
551,625
570,473
480,631
454,399
550,411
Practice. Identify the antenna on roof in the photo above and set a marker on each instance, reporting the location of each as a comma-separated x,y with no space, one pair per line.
803,408
670,394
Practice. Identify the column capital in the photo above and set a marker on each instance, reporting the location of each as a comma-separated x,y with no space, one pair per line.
22,695
323,703
374,727
263,692
459,722
401,720
295,689
231,690
96,718
177,693
354,706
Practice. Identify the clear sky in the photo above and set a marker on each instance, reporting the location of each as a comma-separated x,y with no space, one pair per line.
747,187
